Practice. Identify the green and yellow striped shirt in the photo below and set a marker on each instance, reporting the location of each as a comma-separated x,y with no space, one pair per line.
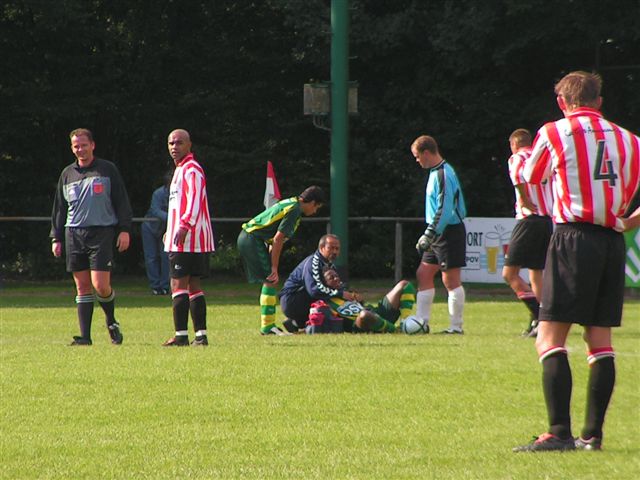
284,216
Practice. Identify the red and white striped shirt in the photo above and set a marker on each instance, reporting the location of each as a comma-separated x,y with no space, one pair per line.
540,194
188,208
594,164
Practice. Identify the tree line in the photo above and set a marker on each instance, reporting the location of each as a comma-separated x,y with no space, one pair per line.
232,73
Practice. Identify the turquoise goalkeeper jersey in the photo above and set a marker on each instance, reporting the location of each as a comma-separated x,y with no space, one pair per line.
444,203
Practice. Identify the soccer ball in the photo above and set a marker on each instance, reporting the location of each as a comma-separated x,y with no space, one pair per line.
412,325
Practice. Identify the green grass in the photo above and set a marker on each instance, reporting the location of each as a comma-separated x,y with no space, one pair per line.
322,407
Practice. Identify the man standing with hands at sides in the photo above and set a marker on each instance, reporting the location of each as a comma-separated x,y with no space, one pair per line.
442,247
260,244
595,169
189,240
91,205
530,237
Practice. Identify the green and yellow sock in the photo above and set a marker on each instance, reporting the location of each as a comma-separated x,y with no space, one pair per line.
267,308
382,325
407,300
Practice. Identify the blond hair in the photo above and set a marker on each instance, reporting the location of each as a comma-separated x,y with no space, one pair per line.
521,137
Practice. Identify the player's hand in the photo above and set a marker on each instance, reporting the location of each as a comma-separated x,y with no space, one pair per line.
352,296
273,278
56,249
425,241
123,241
629,223
529,205
179,237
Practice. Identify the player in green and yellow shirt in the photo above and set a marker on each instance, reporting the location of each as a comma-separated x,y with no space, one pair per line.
260,244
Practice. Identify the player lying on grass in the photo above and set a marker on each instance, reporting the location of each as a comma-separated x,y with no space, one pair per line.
358,316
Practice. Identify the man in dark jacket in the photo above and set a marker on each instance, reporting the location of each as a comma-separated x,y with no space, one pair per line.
306,284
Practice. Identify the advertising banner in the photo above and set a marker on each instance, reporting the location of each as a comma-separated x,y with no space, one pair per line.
632,268
488,241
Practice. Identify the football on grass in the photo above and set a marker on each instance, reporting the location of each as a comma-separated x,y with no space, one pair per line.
412,325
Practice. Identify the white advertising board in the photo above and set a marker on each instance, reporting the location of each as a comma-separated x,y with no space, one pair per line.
487,242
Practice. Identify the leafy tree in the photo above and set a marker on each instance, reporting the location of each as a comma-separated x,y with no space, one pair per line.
232,72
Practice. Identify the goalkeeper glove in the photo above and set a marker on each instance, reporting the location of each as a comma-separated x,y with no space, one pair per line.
425,241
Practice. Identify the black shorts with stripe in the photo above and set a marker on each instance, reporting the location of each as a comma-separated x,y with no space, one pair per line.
529,242
89,248
583,280
182,264
450,249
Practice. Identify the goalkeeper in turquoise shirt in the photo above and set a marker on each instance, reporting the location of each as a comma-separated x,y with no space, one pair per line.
442,246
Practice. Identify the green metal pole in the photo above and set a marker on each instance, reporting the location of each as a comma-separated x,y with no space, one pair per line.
340,125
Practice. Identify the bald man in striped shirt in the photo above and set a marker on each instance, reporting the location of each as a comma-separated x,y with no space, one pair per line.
189,240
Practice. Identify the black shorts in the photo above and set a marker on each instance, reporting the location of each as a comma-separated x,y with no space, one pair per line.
183,264
529,242
583,281
89,248
449,250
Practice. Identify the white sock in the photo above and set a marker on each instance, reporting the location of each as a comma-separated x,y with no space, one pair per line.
424,300
456,307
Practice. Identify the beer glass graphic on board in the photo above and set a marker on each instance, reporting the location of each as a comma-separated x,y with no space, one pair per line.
492,247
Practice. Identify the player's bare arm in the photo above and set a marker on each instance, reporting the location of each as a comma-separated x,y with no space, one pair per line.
525,201
632,221
276,249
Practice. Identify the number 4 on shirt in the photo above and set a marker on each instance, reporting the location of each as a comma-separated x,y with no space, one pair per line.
604,170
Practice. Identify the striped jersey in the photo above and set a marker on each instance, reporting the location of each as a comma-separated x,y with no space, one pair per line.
444,203
283,217
188,207
540,194
594,165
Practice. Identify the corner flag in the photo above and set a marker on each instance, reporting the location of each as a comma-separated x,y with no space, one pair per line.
271,191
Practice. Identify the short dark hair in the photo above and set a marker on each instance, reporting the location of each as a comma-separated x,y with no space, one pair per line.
325,237
78,132
312,194
521,136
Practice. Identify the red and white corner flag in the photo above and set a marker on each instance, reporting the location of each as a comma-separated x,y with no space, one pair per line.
271,191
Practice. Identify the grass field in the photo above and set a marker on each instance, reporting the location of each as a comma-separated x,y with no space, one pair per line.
322,407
